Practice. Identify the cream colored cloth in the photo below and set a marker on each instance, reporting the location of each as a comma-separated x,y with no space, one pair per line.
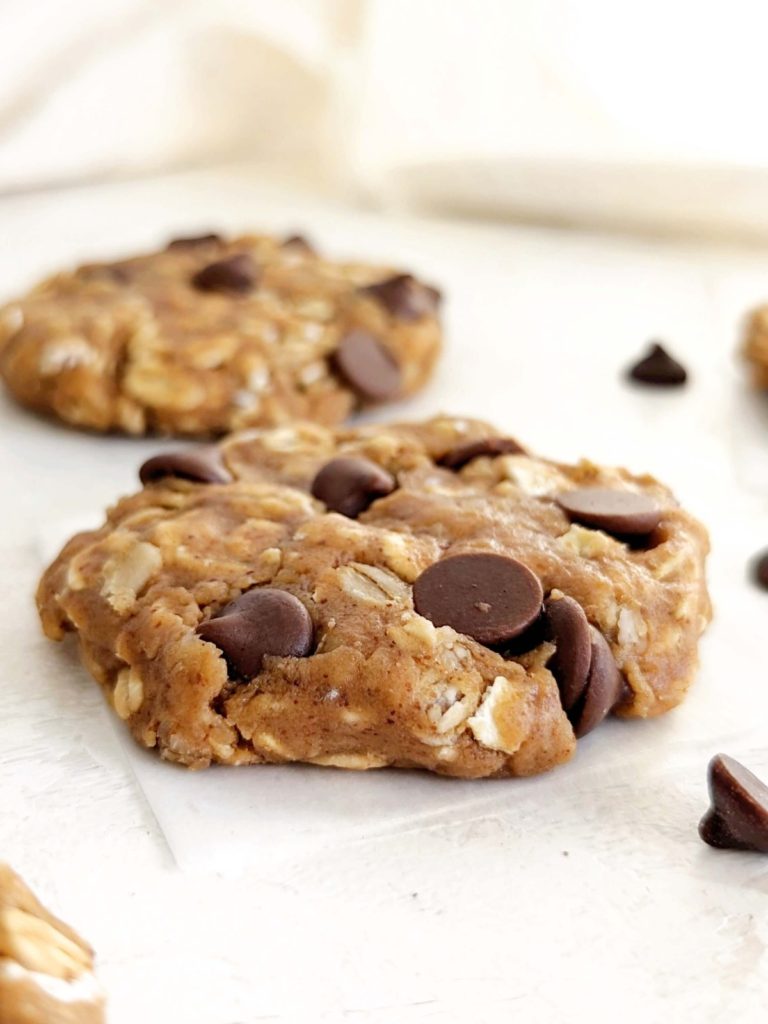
592,111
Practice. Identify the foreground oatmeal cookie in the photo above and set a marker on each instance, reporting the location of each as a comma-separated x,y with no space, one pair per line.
46,969
210,335
423,595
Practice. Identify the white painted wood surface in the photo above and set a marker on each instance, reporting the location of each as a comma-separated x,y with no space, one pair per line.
584,895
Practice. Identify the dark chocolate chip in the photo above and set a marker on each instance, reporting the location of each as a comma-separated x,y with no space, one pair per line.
490,597
238,274
621,512
349,485
261,622
202,465
759,570
491,446
659,368
738,816
569,630
193,241
404,297
299,242
604,689
367,366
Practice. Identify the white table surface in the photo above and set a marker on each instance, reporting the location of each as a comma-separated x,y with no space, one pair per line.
583,895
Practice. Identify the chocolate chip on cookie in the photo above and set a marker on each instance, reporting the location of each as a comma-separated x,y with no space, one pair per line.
489,597
237,274
202,465
349,485
404,297
659,368
299,242
603,690
367,367
193,241
626,513
261,622
459,456
569,630
738,816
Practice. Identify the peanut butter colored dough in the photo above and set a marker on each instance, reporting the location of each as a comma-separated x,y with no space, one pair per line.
755,347
382,684
46,969
137,346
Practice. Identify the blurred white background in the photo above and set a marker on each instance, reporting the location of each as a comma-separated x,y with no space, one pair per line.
600,111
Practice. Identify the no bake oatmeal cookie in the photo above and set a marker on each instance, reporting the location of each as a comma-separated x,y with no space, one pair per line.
210,335
419,595
46,969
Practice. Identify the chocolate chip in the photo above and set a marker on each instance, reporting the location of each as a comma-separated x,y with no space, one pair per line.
604,689
238,274
193,241
492,598
203,465
367,366
621,512
349,485
261,622
569,630
299,242
491,446
659,368
738,816
404,297
759,570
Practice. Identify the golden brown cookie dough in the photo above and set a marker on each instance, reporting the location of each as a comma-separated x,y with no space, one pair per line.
755,346
46,969
211,335
348,616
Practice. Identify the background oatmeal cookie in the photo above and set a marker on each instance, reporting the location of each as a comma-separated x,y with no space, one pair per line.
213,334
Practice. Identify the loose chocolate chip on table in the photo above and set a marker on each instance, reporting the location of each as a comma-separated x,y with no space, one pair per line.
237,274
759,570
659,368
490,597
738,816
367,367
404,297
569,630
626,513
491,446
604,688
193,241
349,485
202,465
261,622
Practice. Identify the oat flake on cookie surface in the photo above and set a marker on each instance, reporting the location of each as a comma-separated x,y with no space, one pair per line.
211,335
419,595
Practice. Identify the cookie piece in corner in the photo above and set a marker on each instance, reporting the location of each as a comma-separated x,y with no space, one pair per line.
46,969
423,595
213,334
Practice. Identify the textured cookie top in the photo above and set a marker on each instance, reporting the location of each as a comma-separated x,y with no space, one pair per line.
211,335
46,969
420,595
